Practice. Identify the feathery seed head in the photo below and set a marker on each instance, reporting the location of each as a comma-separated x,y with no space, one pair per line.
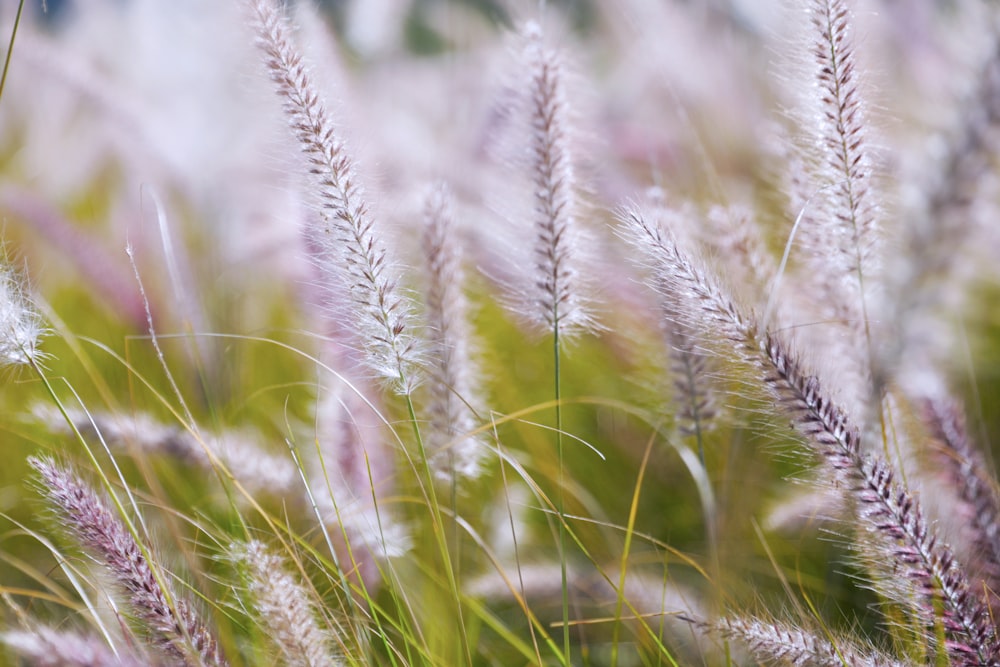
170,622
20,324
834,199
843,125
778,641
557,299
969,479
239,453
350,244
692,401
891,514
453,401
47,647
284,607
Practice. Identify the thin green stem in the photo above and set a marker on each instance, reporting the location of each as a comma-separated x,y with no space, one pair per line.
437,526
344,583
10,47
626,548
560,495
395,595
456,546
513,536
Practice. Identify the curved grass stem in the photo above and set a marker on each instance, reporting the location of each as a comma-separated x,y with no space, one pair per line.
560,496
10,47
437,525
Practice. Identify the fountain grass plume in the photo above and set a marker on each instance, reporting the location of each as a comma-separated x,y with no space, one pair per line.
285,609
843,234
775,641
48,647
350,243
241,454
453,403
885,511
170,623
20,324
970,480
557,296
843,126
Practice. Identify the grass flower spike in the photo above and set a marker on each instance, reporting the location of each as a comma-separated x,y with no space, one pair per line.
839,218
453,403
557,294
284,609
173,627
555,299
20,325
350,243
46,647
846,164
890,514
238,453
788,644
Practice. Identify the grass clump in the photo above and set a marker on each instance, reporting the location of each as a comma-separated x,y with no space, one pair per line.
535,390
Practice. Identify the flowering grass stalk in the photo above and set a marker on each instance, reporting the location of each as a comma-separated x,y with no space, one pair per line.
350,245
773,641
353,249
246,460
20,324
174,628
557,294
845,231
891,514
453,406
285,610
970,479
47,647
